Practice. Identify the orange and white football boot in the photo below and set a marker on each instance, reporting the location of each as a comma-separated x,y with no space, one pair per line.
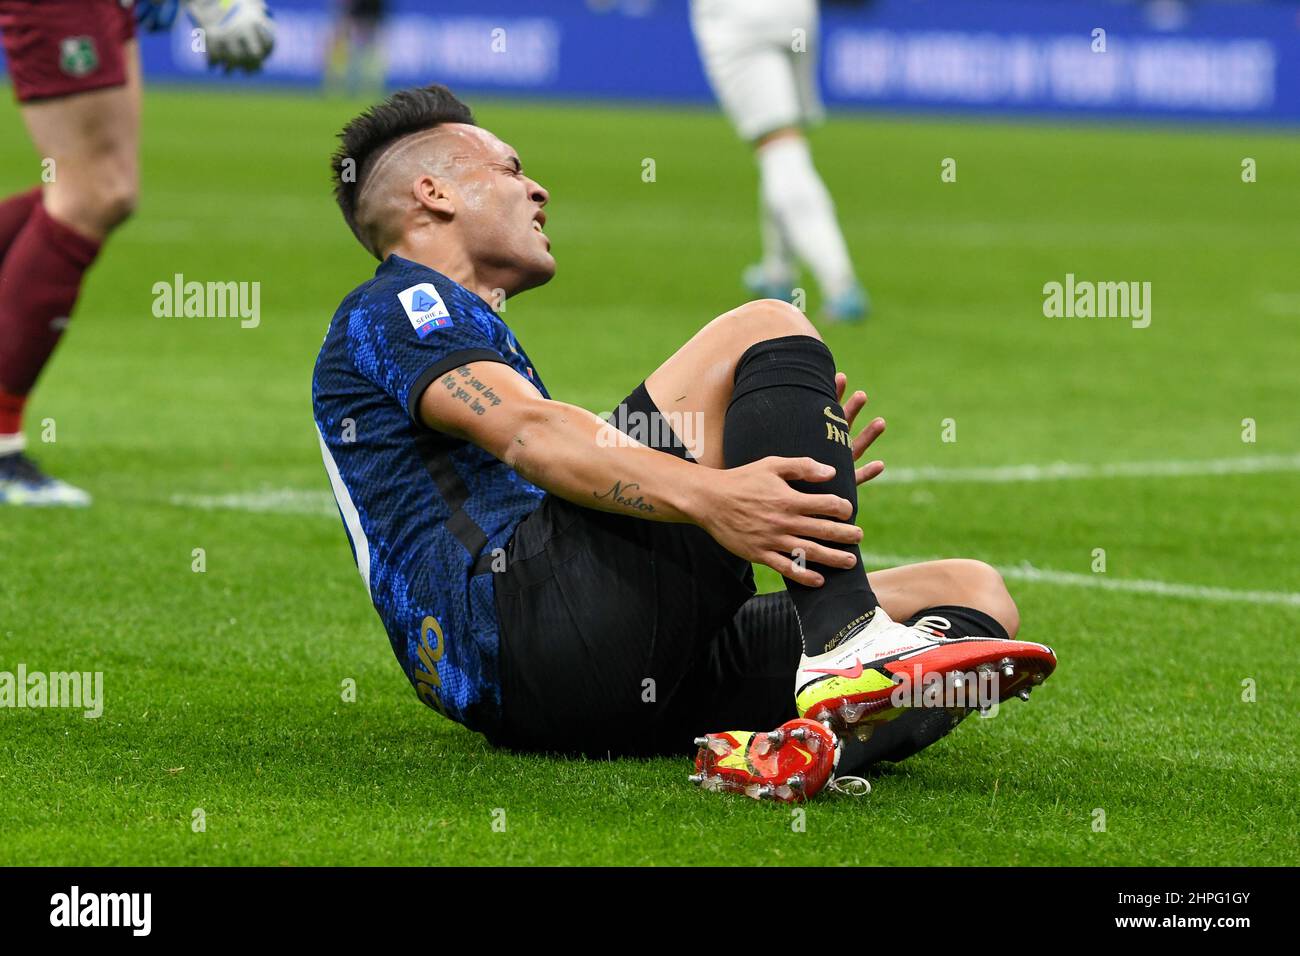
790,764
852,687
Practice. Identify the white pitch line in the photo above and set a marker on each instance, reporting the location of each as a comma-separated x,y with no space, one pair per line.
1066,471
301,501
321,504
1282,303
1074,579
285,501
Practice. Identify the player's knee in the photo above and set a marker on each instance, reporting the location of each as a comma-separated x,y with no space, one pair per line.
764,319
115,201
982,588
95,205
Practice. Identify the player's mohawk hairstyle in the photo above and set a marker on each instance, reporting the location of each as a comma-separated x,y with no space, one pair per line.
368,135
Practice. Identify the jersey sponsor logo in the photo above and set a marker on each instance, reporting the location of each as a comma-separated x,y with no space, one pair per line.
425,308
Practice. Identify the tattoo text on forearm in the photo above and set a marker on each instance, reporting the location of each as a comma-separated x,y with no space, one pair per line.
622,494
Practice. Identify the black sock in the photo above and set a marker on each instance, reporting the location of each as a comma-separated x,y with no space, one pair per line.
784,404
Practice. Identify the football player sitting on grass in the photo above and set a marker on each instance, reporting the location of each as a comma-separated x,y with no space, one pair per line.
562,586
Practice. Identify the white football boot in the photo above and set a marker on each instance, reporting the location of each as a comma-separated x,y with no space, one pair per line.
883,666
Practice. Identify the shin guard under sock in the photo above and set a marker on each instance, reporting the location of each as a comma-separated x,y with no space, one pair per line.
784,404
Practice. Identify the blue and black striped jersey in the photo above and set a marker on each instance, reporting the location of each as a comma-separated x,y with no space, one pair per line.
423,511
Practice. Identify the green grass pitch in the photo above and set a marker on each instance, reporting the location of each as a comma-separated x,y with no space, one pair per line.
223,688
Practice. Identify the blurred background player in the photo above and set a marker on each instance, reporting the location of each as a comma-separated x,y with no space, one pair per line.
75,69
761,60
355,64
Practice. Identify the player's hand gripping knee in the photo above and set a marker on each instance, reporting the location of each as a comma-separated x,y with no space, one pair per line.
862,441
754,513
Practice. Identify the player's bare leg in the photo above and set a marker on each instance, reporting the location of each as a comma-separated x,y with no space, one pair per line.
697,381
90,144
909,589
94,140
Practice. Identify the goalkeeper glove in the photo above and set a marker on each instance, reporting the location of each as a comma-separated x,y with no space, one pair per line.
238,34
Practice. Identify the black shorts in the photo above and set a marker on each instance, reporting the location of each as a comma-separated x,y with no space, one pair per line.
622,636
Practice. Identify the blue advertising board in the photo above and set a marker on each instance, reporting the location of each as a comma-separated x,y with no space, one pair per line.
1212,60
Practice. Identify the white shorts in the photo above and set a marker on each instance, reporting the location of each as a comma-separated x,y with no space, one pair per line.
749,52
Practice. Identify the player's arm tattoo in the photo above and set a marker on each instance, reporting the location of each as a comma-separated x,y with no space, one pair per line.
469,390
625,495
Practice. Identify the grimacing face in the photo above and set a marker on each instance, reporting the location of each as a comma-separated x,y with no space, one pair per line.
500,211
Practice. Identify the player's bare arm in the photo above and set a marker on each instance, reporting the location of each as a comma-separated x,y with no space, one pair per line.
752,511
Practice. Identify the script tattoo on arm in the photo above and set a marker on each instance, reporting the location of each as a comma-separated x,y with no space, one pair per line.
469,390
622,494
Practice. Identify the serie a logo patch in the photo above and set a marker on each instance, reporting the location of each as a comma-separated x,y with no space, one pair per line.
425,308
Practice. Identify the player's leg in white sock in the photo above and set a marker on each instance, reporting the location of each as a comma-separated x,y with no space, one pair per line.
779,264
802,209
777,273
